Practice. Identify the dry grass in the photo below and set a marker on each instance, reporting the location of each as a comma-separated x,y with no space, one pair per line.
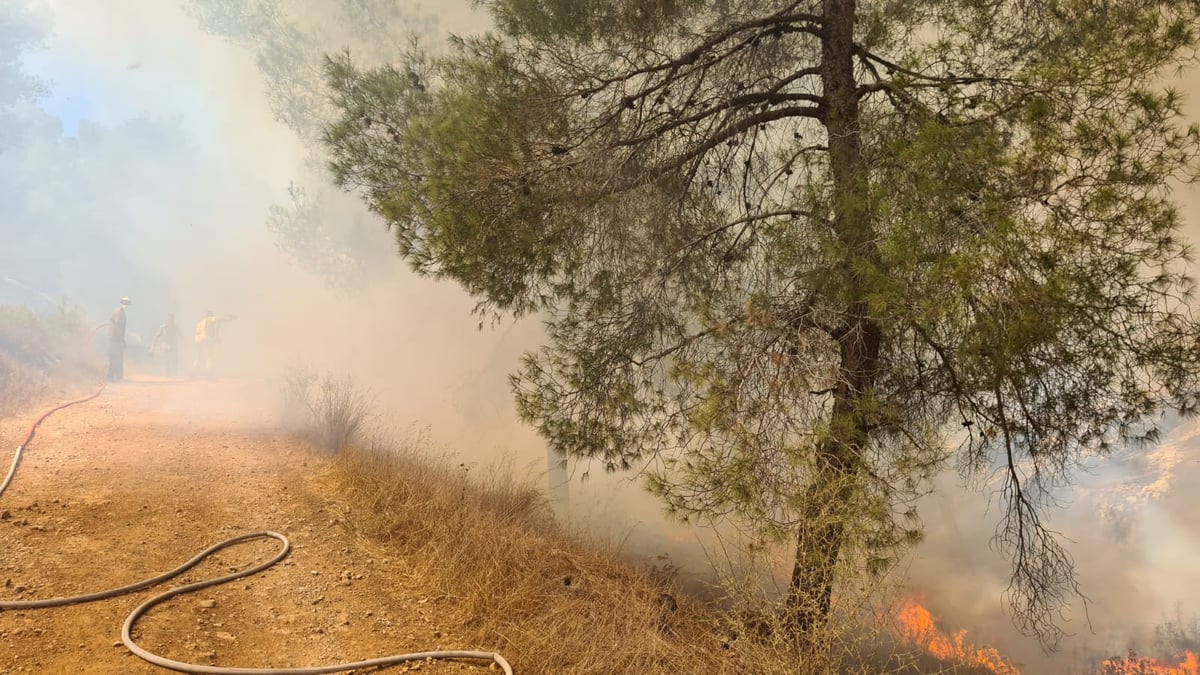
549,602
36,349
19,385
332,412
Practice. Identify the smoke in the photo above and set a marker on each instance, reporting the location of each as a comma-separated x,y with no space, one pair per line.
172,159
157,162
1126,522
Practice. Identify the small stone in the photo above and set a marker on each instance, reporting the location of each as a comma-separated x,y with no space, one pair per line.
118,643
207,604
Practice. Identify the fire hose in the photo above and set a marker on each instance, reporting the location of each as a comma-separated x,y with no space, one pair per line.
140,610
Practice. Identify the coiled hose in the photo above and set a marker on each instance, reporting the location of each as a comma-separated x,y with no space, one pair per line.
163,662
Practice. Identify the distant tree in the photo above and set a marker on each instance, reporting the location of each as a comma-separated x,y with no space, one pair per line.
20,32
65,226
320,228
796,255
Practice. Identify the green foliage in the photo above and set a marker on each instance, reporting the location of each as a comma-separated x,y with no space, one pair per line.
792,261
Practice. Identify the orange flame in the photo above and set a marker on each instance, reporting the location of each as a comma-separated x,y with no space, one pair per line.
918,627
1142,665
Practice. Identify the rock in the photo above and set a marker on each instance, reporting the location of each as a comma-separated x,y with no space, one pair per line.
207,604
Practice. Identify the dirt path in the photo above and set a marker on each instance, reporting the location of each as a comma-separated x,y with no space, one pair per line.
148,475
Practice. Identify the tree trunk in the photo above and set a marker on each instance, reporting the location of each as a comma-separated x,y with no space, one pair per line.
818,543
828,502
821,535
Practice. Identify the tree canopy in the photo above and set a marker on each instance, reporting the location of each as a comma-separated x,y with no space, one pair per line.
795,256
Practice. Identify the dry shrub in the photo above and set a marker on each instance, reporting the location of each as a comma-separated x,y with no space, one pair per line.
548,601
332,412
36,348
296,386
18,385
43,340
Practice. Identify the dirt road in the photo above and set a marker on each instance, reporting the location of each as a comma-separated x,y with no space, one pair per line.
149,474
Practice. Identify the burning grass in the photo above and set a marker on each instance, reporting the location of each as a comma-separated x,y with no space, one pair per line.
1133,664
916,626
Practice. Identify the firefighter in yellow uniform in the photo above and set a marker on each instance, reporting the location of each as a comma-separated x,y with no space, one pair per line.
208,336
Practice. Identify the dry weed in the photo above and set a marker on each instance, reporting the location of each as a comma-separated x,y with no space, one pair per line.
37,348
332,412
550,602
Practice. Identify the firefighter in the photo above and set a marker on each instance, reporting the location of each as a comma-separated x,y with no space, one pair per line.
116,342
208,336
166,342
